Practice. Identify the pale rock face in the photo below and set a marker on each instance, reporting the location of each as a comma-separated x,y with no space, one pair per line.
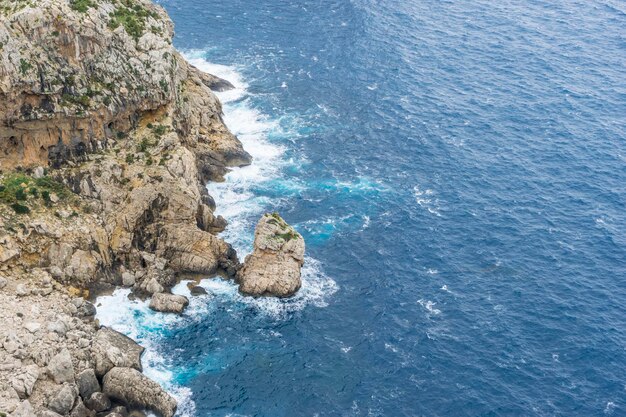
60,367
9,399
274,266
24,379
111,349
136,390
63,401
87,383
24,409
128,279
168,303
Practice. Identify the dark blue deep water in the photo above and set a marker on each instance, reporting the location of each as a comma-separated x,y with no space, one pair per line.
458,170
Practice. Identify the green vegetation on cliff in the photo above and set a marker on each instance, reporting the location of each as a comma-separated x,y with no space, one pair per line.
133,16
21,191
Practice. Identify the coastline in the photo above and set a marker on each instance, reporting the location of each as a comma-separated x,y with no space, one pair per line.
240,206
117,200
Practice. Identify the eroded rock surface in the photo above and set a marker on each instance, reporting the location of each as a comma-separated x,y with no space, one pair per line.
136,390
168,303
273,268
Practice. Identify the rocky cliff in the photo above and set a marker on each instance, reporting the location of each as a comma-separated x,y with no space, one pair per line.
107,136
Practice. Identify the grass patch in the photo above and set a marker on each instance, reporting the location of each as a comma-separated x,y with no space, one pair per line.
25,66
133,16
19,190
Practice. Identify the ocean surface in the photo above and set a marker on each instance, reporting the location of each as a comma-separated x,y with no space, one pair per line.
458,170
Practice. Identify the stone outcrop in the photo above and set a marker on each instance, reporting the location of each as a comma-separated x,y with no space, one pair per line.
111,349
136,390
168,303
273,268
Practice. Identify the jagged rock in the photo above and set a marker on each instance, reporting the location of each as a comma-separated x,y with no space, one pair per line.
21,290
24,379
63,401
153,286
128,279
136,390
57,327
12,343
86,309
8,249
9,399
83,265
274,266
24,409
168,303
87,383
32,326
80,410
3,282
98,402
60,367
111,349
195,289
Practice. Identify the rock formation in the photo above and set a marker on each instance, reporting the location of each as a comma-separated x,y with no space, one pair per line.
107,137
136,390
168,303
273,268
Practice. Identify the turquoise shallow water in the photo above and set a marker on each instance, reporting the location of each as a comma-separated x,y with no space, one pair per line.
458,172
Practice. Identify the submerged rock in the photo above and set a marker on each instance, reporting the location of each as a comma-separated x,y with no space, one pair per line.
274,266
168,303
136,390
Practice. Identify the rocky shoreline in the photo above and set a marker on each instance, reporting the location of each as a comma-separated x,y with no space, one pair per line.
107,137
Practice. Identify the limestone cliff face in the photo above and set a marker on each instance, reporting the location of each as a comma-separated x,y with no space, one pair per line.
107,136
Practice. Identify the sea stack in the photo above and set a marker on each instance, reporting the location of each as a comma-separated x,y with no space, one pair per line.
274,267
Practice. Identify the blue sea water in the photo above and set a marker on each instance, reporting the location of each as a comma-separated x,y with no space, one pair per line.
458,170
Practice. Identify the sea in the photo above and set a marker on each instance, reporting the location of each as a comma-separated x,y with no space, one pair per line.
458,171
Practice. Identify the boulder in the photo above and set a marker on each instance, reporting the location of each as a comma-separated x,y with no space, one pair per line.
195,289
24,409
9,399
110,349
63,401
80,410
128,279
24,379
274,266
168,303
60,367
138,391
98,402
87,383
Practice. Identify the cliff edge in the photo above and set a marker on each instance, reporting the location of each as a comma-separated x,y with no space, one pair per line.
107,137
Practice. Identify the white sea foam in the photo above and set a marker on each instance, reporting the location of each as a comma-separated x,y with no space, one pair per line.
427,200
136,320
429,306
